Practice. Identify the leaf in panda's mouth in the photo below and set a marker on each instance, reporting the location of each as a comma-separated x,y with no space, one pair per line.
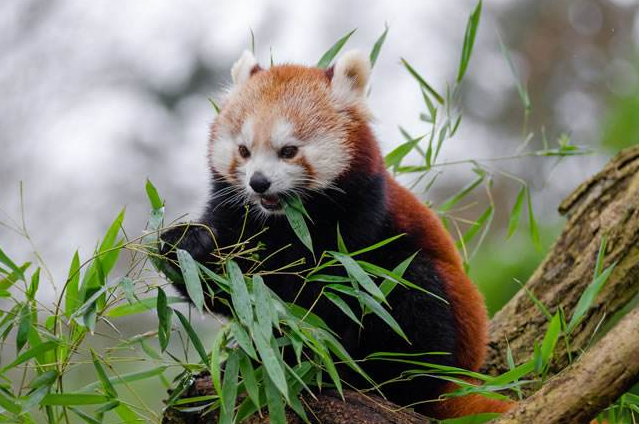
295,212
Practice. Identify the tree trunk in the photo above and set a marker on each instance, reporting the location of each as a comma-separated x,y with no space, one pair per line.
605,205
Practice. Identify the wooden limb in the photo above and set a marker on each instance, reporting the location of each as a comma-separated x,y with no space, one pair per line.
607,204
581,391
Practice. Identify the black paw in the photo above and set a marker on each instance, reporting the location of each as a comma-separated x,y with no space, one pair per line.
194,238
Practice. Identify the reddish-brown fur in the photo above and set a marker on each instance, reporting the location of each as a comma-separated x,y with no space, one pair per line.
303,96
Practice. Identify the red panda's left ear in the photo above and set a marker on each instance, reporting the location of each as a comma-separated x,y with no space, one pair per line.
245,66
350,77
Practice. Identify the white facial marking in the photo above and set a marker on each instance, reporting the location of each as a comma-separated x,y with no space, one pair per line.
281,134
247,132
221,151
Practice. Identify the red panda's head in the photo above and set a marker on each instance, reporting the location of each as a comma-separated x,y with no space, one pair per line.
288,129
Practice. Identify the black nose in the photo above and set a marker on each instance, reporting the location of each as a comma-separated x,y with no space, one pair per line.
259,182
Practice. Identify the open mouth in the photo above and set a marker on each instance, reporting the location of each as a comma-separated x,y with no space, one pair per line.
271,202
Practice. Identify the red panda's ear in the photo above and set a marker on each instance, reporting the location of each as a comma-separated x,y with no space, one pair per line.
245,66
350,76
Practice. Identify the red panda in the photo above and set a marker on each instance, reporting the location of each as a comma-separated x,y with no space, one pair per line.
302,130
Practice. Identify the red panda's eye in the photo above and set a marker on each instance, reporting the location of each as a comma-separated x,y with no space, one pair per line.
288,152
244,152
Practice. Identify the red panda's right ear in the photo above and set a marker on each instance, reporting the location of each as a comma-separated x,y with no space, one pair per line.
245,66
349,77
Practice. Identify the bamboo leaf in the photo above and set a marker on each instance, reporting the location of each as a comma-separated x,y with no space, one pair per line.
191,279
516,211
330,54
71,300
534,230
197,343
297,222
274,401
469,41
249,380
152,193
229,388
343,306
239,294
104,378
377,47
164,320
422,82
356,271
271,362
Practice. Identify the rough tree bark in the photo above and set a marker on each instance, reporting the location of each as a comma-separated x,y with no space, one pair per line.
607,204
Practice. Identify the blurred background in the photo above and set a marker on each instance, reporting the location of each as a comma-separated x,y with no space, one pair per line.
97,96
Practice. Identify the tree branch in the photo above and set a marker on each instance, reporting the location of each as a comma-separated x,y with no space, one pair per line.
578,393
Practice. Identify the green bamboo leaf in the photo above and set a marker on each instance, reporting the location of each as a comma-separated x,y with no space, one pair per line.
422,82
272,364
24,326
389,284
126,378
263,307
239,294
191,279
516,211
469,41
377,47
343,306
249,380
534,230
356,271
127,415
152,193
277,414
297,222
30,354
33,287
588,297
71,300
45,379
164,320
13,277
9,404
104,378
229,388
379,310
197,343
484,220
457,197
129,292
341,246
395,157
243,339
8,262
330,54
215,368
550,338
87,418
143,305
